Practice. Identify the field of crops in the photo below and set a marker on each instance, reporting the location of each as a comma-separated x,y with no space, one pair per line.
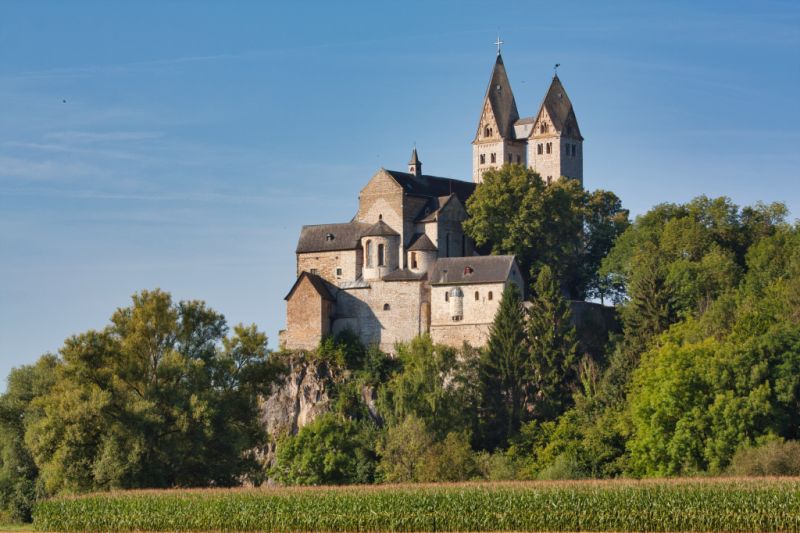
676,505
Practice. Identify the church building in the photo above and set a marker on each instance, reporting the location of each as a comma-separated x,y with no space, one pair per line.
403,265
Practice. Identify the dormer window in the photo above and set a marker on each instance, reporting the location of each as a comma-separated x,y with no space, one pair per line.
329,237
468,270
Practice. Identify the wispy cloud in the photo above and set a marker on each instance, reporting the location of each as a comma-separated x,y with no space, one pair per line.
87,137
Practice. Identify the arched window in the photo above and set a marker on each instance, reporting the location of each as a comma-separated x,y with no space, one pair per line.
483,159
489,296
539,148
493,158
385,307
381,259
477,296
413,259
368,253
549,148
487,131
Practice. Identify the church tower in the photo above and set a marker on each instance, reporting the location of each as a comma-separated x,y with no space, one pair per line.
494,142
555,144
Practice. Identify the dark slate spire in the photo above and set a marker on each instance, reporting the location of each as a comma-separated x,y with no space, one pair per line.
414,164
502,100
560,109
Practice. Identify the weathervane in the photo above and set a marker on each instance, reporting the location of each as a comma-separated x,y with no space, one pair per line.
555,69
498,42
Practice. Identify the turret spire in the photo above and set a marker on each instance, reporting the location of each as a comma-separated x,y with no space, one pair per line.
414,164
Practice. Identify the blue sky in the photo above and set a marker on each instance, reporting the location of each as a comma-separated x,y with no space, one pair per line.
181,145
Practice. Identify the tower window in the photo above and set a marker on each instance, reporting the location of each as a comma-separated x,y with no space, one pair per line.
493,157
483,159
381,258
518,160
489,296
368,253
549,148
413,259
574,149
477,296
386,307
539,148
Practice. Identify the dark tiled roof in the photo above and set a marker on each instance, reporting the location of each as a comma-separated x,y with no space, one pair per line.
526,120
485,269
560,108
431,211
421,243
502,100
330,237
433,186
379,229
404,274
319,284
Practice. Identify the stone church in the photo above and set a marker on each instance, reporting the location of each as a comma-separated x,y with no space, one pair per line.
403,265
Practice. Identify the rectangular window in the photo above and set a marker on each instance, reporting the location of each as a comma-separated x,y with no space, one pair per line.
380,255
483,159
414,260
338,272
574,146
539,148
549,148
494,158
314,271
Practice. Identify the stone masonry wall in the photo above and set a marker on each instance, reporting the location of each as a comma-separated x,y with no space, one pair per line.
307,318
382,199
363,311
326,263
478,314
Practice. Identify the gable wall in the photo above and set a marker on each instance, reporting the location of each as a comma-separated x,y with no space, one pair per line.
307,318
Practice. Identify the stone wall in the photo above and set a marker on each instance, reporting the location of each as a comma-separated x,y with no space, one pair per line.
478,314
307,317
326,263
382,199
364,312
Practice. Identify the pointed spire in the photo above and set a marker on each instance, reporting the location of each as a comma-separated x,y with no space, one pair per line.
501,98
559,107
414,164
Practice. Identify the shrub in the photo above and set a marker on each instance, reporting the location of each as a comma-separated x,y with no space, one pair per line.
775,458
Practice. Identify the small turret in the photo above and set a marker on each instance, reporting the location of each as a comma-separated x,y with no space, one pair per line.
414,164
380,244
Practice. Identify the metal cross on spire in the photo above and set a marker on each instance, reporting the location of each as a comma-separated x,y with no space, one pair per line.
498,42
555,69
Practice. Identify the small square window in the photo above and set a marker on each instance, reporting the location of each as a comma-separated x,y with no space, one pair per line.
338,272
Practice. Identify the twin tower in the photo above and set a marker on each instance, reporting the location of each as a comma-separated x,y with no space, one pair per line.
549,142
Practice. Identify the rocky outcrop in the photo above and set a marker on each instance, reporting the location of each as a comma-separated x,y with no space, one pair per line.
304,393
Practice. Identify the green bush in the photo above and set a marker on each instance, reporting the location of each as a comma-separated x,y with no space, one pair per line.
775,458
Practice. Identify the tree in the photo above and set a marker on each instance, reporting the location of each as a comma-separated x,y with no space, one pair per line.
329,451
19,483
504,372
552,344
161,397
431,385
513,212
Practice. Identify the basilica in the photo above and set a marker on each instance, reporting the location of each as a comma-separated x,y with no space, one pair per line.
403,265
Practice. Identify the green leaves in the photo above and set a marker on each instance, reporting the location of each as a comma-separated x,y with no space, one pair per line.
558,225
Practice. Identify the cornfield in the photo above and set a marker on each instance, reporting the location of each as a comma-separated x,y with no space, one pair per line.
674,505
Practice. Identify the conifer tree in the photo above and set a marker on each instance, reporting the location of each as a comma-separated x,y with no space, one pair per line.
553,346
503,372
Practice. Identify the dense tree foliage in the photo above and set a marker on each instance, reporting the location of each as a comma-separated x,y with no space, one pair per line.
702,378
159,398
560,225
